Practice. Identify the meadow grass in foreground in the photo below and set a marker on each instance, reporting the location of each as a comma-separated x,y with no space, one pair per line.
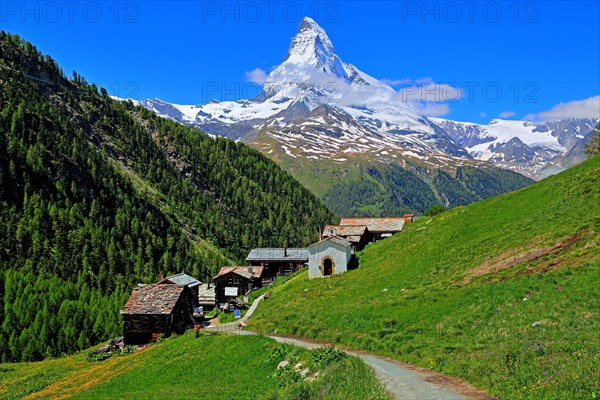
504,293
212,367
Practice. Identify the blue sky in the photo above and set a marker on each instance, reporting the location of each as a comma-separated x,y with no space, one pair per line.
513,59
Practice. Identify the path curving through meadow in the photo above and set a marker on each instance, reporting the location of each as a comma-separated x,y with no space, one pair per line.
403,381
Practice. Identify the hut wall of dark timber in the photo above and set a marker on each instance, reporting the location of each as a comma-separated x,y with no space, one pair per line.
187,280
155,310
277,261
243,279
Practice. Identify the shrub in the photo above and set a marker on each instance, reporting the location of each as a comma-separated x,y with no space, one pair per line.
284,352
435,210
286,375
97,356
325,356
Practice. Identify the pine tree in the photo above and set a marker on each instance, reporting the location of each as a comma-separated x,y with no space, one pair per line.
593,146
72,223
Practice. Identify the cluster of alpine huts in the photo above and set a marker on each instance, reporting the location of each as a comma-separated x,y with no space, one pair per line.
178,302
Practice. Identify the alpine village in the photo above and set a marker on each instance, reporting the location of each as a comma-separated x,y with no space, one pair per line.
289,246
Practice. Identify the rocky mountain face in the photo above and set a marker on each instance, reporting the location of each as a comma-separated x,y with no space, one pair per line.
534,149
317,113
314,92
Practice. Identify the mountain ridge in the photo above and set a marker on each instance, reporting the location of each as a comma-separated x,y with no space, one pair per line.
316,109
540,145
312,75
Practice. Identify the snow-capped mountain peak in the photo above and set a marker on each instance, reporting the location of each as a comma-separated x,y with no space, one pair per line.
312,65
535,149
312,46
323,106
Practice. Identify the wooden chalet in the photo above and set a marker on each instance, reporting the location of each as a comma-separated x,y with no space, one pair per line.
379,228
357,235
232,282
158,309
277,261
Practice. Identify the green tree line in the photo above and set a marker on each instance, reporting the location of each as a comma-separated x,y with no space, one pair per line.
97,195
392,190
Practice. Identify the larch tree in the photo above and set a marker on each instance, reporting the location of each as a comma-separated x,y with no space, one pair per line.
593,146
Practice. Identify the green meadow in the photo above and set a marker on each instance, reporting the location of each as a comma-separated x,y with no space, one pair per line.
211,366
503,293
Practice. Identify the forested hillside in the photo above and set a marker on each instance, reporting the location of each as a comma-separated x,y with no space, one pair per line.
97,195
382,190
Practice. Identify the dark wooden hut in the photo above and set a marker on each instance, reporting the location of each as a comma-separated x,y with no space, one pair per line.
232,282
184,279
158,309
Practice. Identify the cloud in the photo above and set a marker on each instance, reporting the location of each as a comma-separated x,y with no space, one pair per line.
587,108
434,110
257,75
482,114
408,81
424,81
425,98
431,92
396,82
506,114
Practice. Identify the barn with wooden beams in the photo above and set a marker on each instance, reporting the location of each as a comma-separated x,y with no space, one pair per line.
278,261
157,309
232,282
358,235
379,228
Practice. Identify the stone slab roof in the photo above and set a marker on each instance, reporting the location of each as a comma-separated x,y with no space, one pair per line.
278,254
157,299
247,272
184,279
376,225
345,230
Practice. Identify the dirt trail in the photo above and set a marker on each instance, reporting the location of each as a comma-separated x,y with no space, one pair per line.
403,381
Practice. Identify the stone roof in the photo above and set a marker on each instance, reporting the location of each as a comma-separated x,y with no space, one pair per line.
183,279
247,272
156,299
353,239
376,225
345,230
333,239
278,254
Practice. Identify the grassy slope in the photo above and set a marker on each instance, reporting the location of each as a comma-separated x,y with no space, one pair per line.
448,293
212,367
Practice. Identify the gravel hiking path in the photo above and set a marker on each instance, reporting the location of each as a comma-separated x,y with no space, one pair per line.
403,381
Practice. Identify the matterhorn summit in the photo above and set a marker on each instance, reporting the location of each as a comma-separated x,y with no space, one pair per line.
311,46
315,106
312,70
